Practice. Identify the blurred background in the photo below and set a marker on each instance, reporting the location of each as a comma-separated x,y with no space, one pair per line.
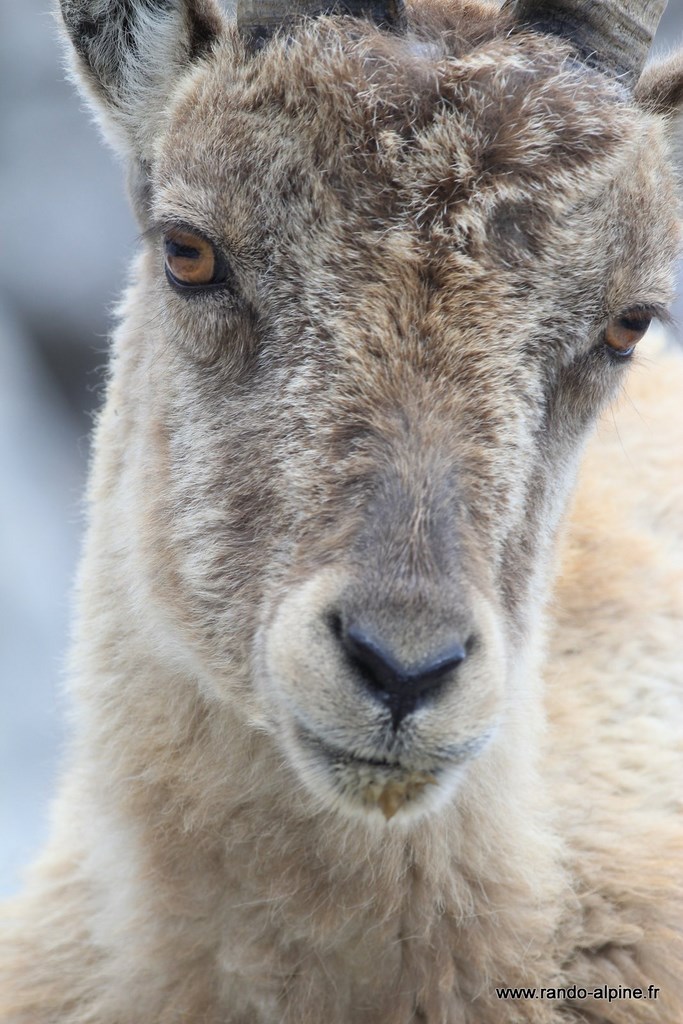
66,237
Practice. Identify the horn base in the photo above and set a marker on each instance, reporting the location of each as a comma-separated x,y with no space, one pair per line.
259,19
614,35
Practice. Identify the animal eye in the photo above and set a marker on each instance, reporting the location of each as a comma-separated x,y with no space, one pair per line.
623,333
191,260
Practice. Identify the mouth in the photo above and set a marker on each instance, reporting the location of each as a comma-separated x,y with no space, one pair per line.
387,784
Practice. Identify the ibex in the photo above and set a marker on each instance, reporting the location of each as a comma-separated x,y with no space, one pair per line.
365,729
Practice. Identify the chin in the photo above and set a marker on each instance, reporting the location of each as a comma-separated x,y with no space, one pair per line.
395,790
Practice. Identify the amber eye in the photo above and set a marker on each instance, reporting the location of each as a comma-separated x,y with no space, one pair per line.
191,260
623,333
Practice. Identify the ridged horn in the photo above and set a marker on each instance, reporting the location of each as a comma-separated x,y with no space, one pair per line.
615,34
258,19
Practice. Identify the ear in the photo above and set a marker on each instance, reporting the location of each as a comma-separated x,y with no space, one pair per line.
660,89
129,54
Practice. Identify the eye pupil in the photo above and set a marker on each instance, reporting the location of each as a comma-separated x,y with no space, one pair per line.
186,252
632,324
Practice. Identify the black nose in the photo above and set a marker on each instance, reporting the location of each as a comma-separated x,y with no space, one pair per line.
403,688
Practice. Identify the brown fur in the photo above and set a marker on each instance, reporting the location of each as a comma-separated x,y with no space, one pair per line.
379,420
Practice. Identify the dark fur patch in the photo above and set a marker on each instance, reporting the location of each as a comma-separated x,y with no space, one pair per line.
204,29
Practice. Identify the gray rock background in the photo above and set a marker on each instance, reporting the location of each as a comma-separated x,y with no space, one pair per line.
66,239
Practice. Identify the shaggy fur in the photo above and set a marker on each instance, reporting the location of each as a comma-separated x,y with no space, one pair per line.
376,420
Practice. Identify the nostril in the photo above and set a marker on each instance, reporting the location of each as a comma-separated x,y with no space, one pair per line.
402,686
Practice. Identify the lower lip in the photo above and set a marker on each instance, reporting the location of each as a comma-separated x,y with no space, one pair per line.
457,755
338,756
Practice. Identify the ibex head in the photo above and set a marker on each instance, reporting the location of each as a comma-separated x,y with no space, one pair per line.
393,266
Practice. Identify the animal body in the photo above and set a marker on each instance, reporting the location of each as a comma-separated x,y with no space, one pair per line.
366,725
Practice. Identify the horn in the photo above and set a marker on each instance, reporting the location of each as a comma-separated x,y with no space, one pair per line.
258,19
613,34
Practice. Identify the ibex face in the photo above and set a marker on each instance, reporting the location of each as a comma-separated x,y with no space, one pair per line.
387,284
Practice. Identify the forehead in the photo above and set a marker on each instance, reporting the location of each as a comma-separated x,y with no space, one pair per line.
510,108
503,142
